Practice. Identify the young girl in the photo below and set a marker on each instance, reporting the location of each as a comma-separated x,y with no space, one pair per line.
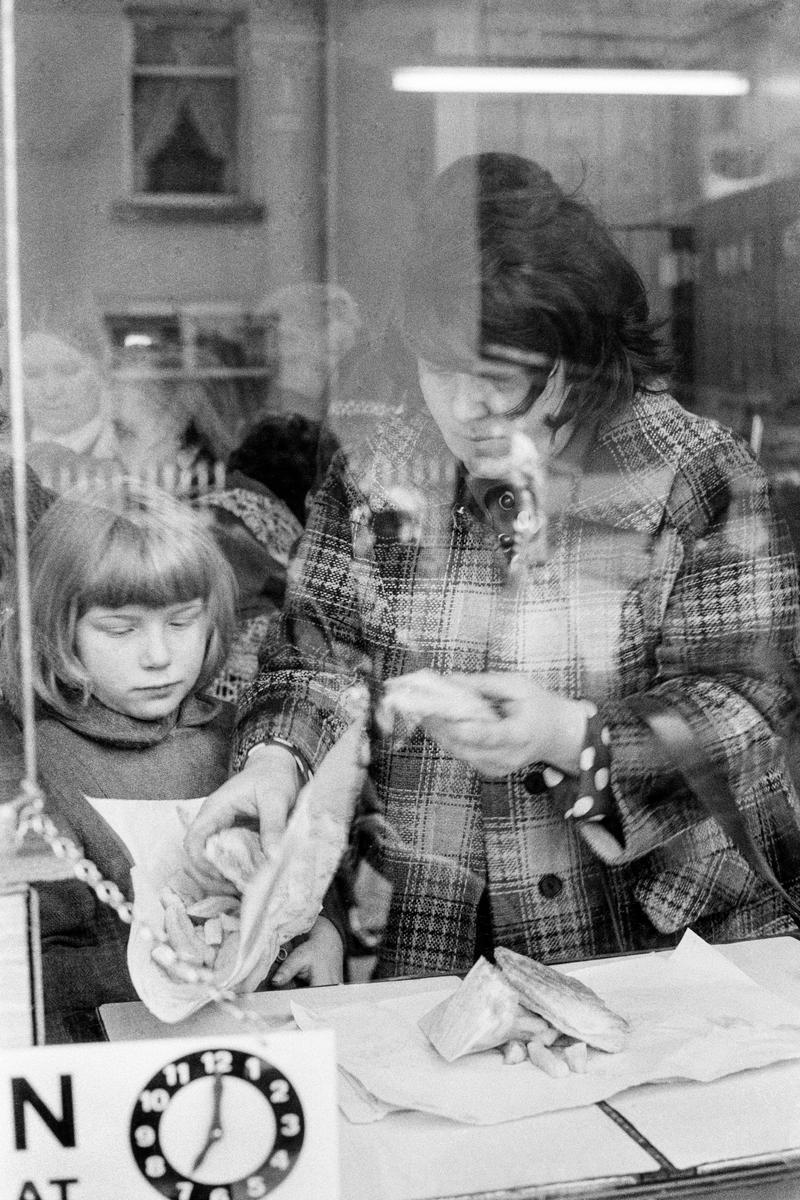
133,610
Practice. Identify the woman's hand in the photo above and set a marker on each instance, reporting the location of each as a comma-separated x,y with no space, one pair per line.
263,793
527,724
317,961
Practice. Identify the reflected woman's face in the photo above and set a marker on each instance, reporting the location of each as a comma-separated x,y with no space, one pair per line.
62,390
478,409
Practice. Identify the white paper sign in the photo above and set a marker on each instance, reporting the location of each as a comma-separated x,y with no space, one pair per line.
229,1118
281,899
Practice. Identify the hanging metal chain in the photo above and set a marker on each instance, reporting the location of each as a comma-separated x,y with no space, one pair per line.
32,819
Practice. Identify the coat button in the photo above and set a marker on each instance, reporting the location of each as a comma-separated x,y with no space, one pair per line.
506,500
534,783
550,886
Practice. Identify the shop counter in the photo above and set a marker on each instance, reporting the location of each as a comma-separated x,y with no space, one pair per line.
733,1138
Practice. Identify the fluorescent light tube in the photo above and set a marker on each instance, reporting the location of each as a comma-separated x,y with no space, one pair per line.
571,81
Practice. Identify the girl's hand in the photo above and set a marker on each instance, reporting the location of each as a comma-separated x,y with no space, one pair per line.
317,961
528,724
263,793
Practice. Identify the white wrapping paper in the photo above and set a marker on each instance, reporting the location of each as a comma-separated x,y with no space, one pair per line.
693,1016
282,900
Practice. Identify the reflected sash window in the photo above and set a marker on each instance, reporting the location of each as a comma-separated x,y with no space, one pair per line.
206,366
185,104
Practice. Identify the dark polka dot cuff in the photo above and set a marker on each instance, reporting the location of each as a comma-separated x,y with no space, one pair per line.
593,798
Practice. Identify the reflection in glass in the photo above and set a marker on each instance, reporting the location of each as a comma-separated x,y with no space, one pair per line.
512,496
185,105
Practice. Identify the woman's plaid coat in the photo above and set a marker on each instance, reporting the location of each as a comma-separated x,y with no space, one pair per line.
664,575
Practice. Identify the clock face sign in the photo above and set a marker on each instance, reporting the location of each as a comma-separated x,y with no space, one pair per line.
217,1124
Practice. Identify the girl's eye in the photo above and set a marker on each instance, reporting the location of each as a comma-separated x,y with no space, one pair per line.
117,630
184,620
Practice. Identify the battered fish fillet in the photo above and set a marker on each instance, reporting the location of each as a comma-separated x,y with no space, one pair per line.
479,1015
566,1003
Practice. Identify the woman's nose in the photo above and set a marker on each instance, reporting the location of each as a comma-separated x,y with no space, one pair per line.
470,398
154,647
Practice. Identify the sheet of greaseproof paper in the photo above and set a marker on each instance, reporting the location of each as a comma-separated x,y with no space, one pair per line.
750,1117
281,900
153,832
693,1015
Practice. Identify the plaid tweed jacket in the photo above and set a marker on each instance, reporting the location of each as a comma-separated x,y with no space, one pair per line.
664,574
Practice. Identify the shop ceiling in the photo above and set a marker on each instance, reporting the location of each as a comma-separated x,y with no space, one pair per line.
666,33
644,22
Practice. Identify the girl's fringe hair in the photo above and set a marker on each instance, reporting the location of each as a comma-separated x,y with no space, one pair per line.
114,544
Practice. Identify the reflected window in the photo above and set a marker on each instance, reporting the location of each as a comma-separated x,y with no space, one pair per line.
209,339
209,364
186,104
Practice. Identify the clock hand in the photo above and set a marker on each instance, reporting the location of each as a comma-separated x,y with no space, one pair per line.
215,1130
215,1116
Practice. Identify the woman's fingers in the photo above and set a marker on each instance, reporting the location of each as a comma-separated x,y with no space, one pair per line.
497,685
236,801
261,794
216,813
462,733
208,877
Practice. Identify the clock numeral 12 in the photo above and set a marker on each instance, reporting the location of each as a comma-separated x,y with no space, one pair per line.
217,1062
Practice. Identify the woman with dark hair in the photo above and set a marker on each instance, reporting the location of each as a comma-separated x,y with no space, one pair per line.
532,552
504,262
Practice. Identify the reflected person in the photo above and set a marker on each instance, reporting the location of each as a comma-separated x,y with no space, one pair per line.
649,567
68,403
